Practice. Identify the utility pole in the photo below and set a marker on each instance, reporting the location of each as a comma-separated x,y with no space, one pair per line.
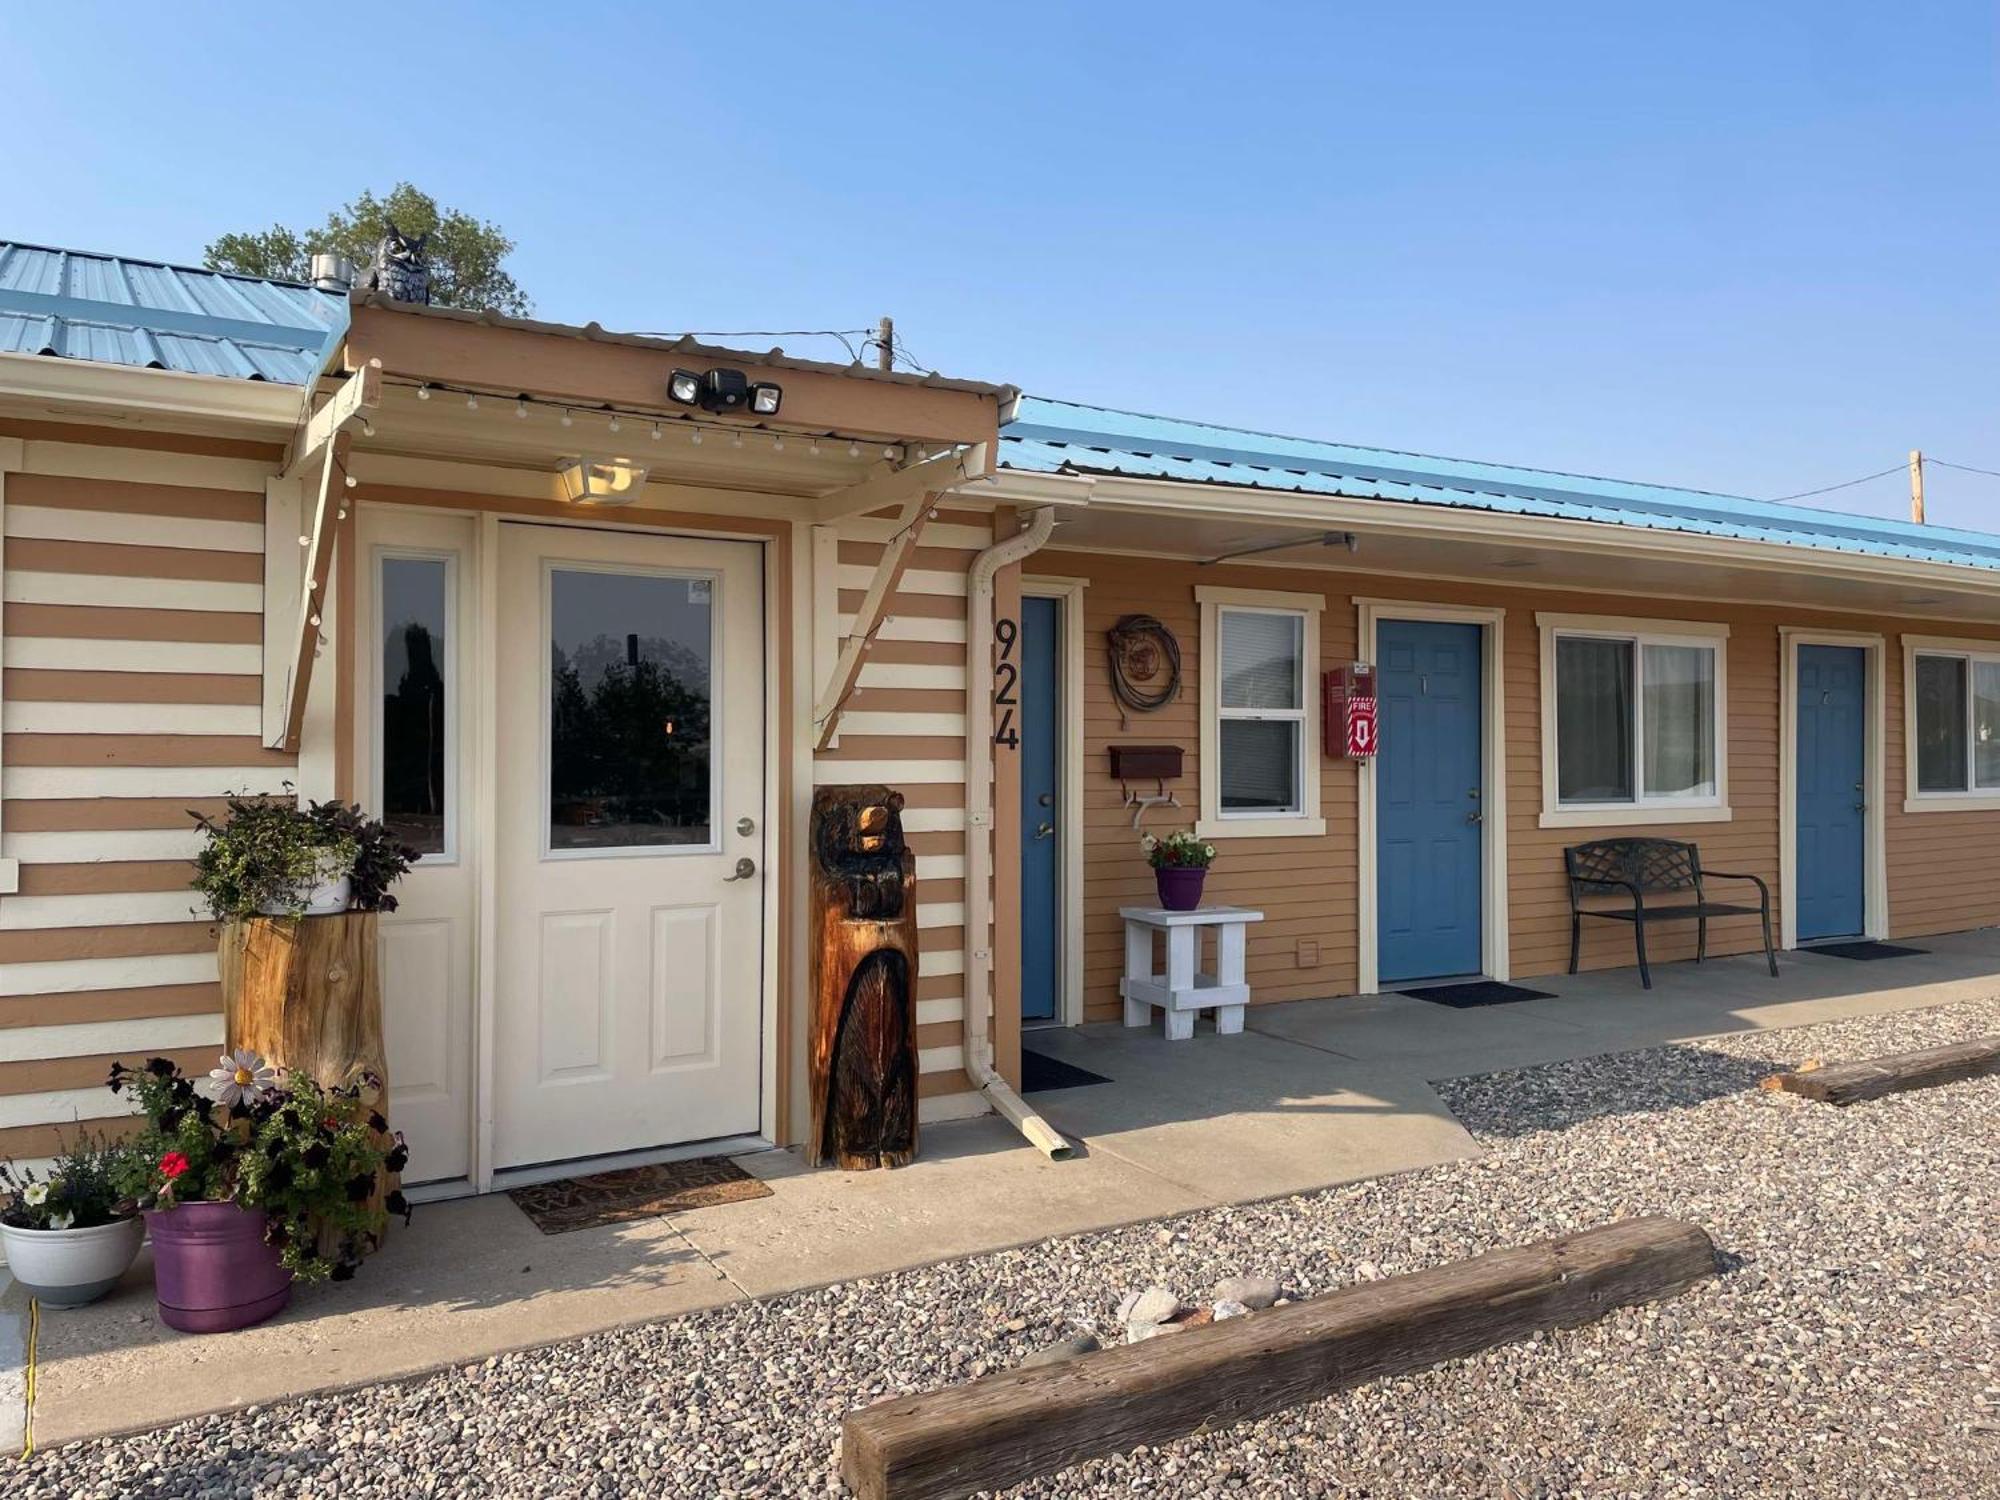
885,344
1917,485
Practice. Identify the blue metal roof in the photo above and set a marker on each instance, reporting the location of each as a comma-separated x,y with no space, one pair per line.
1062,437
77,305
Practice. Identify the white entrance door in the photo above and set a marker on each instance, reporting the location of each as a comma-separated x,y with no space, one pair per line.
415,573
628,851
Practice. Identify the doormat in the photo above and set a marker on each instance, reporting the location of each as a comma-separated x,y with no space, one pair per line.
1865,948
669,1187
1040,1073
1476,992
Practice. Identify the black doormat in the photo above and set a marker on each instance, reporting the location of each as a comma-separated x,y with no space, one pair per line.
1040,1073
1865,948
1476,992
668,1187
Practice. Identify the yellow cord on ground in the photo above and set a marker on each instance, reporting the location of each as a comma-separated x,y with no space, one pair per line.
28,1425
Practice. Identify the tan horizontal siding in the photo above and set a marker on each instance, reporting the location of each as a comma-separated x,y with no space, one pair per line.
69,529
107,875
117,560
186,501
26,1142
138,1003
89,814
31,685
97,622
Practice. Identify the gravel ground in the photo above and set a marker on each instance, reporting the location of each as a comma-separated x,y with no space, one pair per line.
1850,1349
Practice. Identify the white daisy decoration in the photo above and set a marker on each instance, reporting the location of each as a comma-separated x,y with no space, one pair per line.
241,1075
35,1194
62,1220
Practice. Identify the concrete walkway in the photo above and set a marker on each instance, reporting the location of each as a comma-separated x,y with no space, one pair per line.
1313,1094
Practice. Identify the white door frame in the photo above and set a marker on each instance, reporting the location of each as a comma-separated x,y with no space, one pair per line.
483,802
1874,860
1493,945
1068,593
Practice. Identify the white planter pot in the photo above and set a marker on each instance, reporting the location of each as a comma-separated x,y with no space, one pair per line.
329,894
69,1267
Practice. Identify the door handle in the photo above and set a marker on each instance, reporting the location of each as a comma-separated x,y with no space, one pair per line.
1475,817
745,868
1861,807
1043,830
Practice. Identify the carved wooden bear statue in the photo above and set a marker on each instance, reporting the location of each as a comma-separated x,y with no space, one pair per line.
864,980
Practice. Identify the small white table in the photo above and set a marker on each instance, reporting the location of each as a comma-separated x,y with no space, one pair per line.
1184,988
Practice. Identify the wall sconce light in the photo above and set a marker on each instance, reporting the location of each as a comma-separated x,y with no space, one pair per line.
724,391
602,481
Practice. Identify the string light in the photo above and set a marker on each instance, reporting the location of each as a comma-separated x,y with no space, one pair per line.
567,419
655,434
520,408
854,450
736,440
472,403
367,428
694,436
777,442
614,421
423,393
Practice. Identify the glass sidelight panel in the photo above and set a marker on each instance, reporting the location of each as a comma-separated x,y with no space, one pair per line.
414,599
630,697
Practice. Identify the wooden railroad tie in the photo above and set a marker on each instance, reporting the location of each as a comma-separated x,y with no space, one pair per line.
1850,1083
1002,1429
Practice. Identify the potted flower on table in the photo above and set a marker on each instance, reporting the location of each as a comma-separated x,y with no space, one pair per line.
69,1232
250,1180
1180,864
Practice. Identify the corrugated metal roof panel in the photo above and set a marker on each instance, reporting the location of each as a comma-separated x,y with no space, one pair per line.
148,315
1063,437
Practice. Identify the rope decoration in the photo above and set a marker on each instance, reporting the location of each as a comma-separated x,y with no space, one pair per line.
1145,665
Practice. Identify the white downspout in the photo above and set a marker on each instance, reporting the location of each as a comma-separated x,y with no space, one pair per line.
979,831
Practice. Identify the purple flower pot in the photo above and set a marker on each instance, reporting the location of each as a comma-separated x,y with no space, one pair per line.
212,1270
1179,885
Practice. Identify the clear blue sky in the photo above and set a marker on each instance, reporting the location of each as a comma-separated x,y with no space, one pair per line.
1745,247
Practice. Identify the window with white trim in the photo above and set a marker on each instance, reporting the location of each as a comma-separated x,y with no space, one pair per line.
1957,713
1635,717
1260,709
1259,762
415,719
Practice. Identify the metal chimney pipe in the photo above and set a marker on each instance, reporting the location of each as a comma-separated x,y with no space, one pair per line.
332,272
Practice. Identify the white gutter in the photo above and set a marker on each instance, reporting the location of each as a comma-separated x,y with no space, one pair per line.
979,831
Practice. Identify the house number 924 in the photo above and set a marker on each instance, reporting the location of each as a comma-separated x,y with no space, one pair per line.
1005,677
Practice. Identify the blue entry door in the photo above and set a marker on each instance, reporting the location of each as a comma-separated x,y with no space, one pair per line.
1429,800
1832,759
1042,811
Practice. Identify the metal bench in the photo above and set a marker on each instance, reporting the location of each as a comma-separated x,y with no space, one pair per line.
1642,867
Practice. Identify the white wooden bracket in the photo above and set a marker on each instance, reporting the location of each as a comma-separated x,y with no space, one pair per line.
916,512
360,395
888,484
322,523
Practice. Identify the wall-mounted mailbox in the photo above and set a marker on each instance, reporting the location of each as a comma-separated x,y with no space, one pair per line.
1146,762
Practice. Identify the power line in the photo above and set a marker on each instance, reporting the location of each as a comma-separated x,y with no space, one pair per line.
1845,485
1963,468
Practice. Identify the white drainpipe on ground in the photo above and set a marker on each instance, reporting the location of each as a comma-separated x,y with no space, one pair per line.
979,831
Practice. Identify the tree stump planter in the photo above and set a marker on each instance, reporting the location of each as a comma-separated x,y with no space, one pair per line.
305,994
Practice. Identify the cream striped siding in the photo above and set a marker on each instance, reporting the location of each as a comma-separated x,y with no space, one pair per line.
1943,868
904,726
132,683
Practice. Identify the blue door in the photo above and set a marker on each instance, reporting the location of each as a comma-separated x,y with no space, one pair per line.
1832,791
1041,811
1429,800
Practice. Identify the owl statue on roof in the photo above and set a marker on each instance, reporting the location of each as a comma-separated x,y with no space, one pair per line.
399,269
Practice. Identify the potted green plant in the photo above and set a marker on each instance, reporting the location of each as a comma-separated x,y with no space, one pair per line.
1180,864
70,1233
270,857
251,1180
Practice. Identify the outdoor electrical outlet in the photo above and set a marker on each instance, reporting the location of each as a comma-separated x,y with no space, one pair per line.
1308,953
